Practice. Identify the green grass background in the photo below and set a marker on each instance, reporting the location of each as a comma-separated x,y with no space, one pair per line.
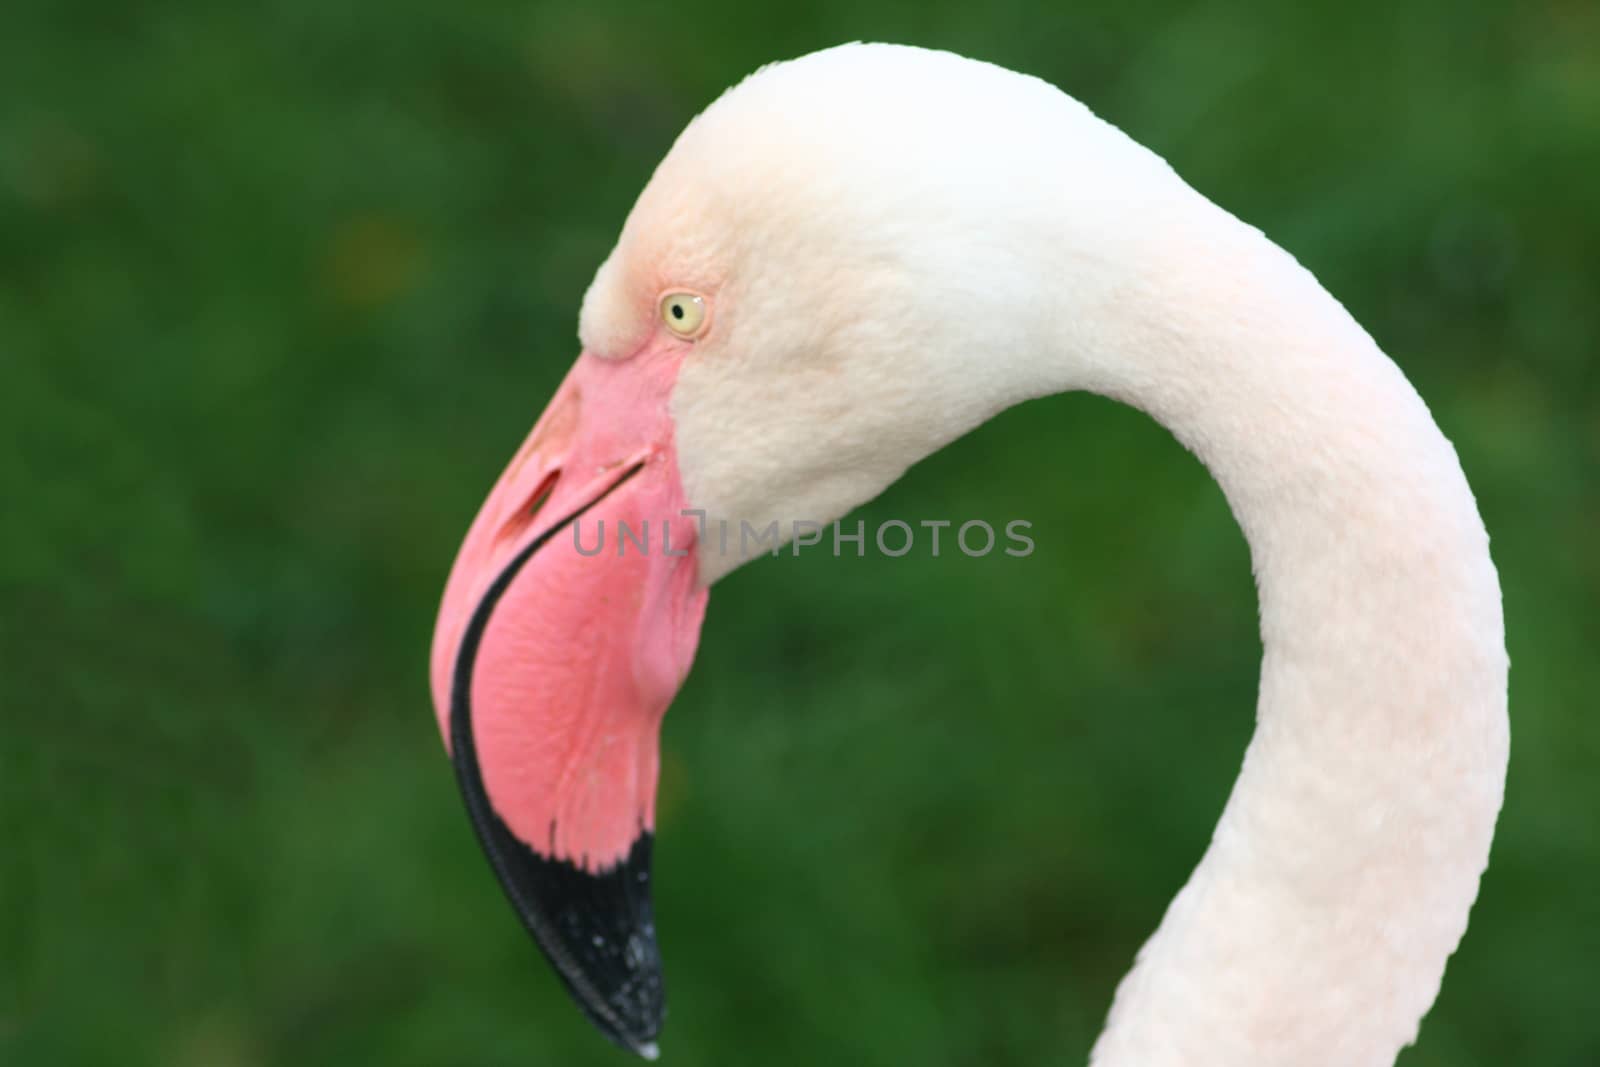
283,284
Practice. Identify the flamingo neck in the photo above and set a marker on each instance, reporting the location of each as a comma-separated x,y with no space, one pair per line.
1316,928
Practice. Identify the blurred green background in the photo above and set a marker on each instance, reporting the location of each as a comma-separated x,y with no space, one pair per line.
282,286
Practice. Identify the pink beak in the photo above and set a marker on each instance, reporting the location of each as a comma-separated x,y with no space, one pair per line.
569,621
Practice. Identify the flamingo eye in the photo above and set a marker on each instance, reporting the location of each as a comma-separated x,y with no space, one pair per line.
684,313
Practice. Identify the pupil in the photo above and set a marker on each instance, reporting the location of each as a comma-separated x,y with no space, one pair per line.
677,311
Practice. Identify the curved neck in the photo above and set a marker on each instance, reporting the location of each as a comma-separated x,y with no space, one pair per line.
1316,928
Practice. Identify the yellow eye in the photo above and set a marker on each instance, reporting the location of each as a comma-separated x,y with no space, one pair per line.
684,313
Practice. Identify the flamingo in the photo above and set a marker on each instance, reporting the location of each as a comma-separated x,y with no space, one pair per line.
848,261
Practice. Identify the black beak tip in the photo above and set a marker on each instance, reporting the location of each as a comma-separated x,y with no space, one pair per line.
596,928
599,932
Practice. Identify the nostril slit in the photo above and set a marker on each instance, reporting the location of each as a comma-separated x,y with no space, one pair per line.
523,517
541,494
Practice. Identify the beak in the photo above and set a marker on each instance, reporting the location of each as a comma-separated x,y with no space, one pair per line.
569,621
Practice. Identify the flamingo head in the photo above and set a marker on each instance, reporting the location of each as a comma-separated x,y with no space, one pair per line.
826,279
